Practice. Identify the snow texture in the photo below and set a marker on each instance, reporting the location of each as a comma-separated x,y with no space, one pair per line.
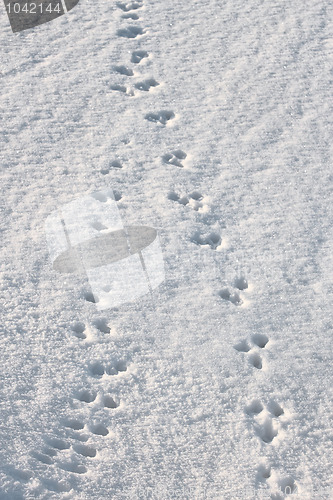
210,121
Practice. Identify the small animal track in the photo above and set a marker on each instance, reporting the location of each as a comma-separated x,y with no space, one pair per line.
193,200
87,396
162,117
131,15
97,369
126,7
74,424
234,296
99,430
265,419
138,56
78,330
124,70
102,326
123,89
175,158
86,451
146,85
131,32
213,240
89,296
258,340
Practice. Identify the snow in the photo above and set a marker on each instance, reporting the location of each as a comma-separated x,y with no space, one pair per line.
211,122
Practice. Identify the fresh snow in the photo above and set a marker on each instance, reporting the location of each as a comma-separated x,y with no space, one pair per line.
211,121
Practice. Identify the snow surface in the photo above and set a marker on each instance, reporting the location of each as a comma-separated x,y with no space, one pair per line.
211,122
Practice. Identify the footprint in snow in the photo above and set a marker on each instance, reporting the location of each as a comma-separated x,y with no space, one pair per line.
127,7
146,85
131,32
131,15
98,369
124,70
265,420
193,200
138,56
175,158
234,296
258,340
213,240
123,89
162,117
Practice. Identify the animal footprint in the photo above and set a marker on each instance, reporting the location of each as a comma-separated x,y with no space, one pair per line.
102,326
131,15
265,419
126,7
131,32
146,85
86,451
99,430
213,240
267,430
258,340
138,56
124,70
122,89
234,296
97,369
193,200
175,158
78,330
74,467
87,396
162,117
109,402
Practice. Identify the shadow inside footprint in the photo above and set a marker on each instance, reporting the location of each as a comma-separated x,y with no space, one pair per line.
78,330
86,451
146,84
266,430
241,283
162,117
256,360
242,346
126,7
260,340
254,408
275,409
109,402
124,70
131,32
234,297
138,55
99,430
102,326
87,397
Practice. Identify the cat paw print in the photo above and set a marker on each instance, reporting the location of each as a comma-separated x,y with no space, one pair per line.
194,200
253,349
175,158
234,295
